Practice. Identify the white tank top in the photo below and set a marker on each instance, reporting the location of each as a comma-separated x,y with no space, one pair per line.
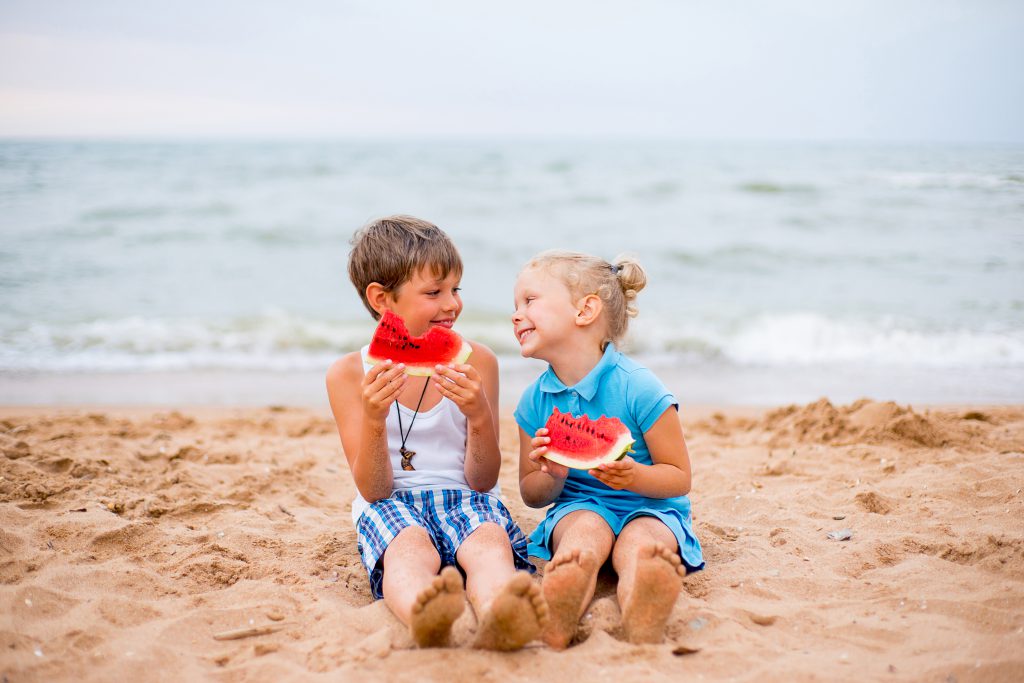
438,438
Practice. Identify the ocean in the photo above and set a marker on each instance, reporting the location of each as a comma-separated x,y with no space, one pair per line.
214,272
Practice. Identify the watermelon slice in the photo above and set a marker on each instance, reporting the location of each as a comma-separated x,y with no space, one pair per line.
582,443
439,345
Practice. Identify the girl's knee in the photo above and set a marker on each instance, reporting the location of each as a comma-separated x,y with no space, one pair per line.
584,522
646,531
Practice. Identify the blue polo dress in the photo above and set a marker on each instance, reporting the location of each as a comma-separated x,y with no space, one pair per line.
617,387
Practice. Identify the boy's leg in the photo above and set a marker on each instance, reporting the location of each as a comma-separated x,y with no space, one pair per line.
646,558
421,599
581,542
508,605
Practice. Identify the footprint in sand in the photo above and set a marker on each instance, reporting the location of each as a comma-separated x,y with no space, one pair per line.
515,617
436,609
568,582
652,596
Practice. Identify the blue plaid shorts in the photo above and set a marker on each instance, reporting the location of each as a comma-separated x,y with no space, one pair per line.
448,515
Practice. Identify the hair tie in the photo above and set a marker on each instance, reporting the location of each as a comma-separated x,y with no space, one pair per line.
615,269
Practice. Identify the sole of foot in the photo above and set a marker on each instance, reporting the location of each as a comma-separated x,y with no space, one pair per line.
515,617
436,609
656,586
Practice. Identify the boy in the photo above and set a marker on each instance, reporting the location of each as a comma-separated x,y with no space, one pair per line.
417,513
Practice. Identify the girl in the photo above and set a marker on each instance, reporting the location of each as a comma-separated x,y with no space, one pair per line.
570,310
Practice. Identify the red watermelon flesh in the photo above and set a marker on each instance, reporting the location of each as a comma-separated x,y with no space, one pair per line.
439,345
582,443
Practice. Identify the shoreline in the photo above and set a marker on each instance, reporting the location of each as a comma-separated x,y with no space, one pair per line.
131,537
696,384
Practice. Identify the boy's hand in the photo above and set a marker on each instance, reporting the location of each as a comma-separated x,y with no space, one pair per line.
617,475
381,386
540,443
462,384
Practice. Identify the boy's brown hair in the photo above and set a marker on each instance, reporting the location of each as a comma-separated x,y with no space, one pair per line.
389,250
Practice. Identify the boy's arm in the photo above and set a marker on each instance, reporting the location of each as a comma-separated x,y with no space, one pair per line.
668,477
473,387
360,403
540,480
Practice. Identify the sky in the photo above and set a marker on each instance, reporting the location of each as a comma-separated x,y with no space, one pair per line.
868,70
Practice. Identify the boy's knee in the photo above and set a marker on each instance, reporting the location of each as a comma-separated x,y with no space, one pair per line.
412,541
490,533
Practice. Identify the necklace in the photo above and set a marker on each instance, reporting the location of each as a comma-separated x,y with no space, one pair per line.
407,454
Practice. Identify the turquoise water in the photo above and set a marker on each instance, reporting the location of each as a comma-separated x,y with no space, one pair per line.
765,260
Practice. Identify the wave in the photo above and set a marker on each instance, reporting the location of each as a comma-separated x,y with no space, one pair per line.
280,341
953,181
797,339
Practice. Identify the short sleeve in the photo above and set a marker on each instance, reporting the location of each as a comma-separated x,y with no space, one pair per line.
527,413
647,398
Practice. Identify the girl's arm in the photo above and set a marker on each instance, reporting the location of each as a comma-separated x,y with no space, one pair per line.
668,477
540,480
360,403
473,387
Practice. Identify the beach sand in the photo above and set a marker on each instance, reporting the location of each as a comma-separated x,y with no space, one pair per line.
195,544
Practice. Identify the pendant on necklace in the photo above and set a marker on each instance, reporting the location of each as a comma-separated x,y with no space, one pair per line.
407,459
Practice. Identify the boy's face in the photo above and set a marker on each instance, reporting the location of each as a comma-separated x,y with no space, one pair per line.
427,300
545,313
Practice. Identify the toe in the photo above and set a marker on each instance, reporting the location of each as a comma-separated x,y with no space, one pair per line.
521,583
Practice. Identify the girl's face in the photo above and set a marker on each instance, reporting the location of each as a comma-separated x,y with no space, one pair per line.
545,315
427,300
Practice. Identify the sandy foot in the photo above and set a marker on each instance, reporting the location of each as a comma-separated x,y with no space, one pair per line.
567,580
652,596
515,617
436,609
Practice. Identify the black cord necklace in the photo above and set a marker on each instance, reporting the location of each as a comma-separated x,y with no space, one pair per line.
407,454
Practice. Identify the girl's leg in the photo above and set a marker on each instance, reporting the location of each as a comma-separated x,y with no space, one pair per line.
581,542
421,599
646,558
509,607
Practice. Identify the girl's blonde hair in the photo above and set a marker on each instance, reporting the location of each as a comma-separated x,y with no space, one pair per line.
616,283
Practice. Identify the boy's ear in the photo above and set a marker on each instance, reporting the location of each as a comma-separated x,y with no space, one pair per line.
588,309
377,297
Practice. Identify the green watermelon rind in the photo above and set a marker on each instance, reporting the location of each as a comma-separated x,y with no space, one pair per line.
617,451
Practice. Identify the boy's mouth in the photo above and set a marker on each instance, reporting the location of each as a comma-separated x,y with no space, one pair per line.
521,335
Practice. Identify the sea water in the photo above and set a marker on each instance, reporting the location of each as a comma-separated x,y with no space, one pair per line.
777,272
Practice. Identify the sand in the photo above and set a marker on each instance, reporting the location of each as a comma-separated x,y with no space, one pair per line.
217,544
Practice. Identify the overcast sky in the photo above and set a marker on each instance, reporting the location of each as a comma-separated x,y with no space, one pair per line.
899,70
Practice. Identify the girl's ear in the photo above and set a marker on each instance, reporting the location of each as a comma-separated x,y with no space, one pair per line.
588,309
378,297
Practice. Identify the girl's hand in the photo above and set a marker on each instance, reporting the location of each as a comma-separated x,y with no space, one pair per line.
540,443
617,475
381,386
462,384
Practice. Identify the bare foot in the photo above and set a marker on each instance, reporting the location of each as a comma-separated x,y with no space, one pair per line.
568,582
515,617
652,596
436,609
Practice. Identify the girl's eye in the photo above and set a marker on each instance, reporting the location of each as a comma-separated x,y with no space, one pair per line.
434,292
456,290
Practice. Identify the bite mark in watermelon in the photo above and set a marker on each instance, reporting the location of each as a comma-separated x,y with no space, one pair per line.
582,443
438,346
